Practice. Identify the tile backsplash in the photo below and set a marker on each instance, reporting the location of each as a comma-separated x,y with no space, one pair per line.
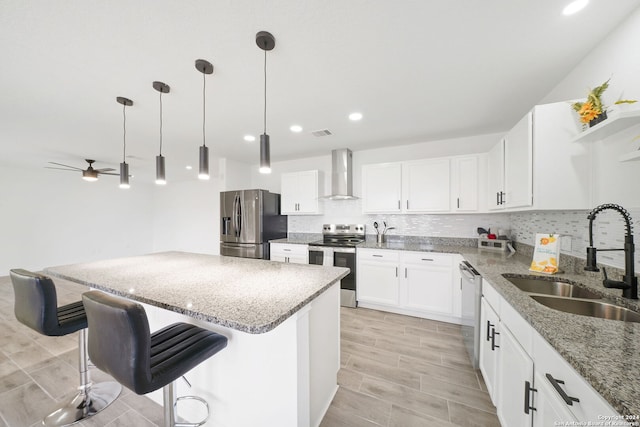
608,230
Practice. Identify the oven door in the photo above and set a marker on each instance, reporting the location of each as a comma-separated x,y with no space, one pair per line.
346,257
317,255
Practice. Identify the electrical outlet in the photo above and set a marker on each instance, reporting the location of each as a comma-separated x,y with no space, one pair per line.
565,243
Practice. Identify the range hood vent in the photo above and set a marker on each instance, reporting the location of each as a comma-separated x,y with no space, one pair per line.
341,175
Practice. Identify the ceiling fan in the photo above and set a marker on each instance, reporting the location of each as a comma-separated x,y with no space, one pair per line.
88,174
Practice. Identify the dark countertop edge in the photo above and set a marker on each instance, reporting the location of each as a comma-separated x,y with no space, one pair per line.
250,329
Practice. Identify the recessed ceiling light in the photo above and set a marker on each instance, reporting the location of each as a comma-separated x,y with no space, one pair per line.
249,138
355,116
574,7
296,128
188,167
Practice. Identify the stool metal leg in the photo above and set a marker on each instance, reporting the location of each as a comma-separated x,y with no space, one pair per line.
170,402
90,398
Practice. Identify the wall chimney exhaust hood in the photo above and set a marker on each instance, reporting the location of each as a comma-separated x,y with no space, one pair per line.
341,175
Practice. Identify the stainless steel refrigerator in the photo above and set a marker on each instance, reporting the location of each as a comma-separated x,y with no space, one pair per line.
249,219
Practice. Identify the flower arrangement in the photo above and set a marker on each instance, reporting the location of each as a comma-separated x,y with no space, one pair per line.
592,110
592,107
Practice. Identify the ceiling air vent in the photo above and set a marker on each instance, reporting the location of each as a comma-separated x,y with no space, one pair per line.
321,132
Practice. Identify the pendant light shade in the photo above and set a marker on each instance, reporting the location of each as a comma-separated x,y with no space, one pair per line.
265,41
124,167
205,67
160,164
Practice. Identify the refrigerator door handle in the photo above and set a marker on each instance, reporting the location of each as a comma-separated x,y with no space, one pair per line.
239,231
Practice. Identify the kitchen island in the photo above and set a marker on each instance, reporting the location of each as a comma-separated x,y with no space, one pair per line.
282,322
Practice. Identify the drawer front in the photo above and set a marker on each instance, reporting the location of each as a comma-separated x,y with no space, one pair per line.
591,406
491,295
379,255
428,258
289,249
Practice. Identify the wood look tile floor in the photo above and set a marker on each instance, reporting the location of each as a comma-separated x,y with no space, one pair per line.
397,371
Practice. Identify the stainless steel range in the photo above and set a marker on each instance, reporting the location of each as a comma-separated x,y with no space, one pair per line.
338,248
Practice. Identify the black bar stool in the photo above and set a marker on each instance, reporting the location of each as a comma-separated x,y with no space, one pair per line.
36,306
121,344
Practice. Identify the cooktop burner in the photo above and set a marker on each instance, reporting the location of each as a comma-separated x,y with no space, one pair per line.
341,235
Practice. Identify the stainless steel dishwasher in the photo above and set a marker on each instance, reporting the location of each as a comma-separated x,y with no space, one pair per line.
471,285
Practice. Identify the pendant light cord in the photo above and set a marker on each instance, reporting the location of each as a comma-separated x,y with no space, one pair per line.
204,116
265,91
124,134
161,122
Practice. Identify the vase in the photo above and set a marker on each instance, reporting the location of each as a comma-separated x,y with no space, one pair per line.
601,117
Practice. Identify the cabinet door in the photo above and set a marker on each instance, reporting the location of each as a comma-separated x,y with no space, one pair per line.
307,192
289,193
515,372
429,288
550,409
495,176
426,186
378,283
489,347
518,164
465,184
381,187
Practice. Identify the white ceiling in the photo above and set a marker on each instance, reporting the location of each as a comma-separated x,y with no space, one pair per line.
418,70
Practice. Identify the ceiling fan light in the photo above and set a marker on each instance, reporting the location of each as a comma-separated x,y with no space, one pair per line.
203,170
265,160
90,175
160,171
124,175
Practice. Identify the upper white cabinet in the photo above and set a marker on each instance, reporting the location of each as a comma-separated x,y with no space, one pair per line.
537,166
300,192
426,186
382,188
465,183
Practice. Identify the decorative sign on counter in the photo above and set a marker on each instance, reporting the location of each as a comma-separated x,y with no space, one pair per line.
546,254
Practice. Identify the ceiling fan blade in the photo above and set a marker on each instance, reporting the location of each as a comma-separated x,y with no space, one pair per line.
67,166
108,173
103,170
61,169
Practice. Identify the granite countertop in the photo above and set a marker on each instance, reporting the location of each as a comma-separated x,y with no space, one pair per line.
605,352
248,295
299,238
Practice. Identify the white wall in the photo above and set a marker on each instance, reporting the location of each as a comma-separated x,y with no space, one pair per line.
51,217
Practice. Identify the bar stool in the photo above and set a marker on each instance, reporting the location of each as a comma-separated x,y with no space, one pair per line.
121,344
36,306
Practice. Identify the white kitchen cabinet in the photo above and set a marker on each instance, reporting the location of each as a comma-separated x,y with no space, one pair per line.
426,186
495,176
428,280
518,164
417,284
300,192
288,252
515,381
550,410
465,183
377,278
489,347
382,188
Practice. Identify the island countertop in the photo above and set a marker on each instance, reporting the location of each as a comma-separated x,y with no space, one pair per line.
248,295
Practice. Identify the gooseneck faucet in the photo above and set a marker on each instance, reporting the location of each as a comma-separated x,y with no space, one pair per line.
629,283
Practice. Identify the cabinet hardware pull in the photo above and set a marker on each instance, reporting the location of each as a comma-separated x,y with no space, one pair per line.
502,198
398,204
396,271
287,250
377,256
527,397
489,325
405,272
458,202
407,204
556,384
493,340
426,259
497,198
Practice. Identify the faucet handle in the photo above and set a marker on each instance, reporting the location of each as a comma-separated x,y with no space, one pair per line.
615,284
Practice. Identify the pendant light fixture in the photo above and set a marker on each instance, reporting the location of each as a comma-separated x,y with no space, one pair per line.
160,171
205,67
124,167
265,41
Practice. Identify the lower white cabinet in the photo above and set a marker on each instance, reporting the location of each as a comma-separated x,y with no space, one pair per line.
289,252
421,284
528,380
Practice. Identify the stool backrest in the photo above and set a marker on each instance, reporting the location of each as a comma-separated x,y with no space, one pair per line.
119,338
36,301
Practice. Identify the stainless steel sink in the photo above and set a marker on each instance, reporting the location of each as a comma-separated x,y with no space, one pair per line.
599,309
561,289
